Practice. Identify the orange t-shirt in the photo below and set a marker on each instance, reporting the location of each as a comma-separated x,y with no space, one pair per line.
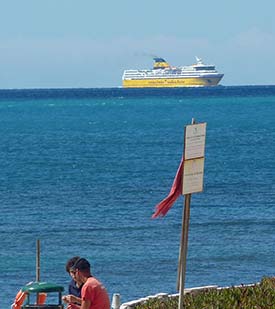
94,291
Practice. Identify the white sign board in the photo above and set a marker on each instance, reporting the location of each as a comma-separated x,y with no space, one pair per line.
193,171
194,142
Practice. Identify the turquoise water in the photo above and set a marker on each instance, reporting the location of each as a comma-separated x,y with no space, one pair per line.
82,170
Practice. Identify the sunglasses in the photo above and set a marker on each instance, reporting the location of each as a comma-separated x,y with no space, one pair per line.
74,267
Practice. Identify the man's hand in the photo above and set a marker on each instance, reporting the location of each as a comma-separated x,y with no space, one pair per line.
71,299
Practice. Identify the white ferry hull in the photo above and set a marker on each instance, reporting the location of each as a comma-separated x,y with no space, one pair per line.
163,75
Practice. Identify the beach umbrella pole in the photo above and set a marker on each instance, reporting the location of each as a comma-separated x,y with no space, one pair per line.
37,260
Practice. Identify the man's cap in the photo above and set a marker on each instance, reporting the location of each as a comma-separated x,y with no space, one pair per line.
81,264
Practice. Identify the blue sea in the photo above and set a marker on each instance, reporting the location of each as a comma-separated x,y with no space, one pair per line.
82,171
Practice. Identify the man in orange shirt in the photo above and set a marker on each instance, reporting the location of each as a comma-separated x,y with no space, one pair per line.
93,293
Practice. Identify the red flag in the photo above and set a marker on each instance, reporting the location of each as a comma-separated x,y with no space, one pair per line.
163,207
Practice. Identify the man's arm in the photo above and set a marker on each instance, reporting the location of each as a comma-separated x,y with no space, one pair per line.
73,306
85,304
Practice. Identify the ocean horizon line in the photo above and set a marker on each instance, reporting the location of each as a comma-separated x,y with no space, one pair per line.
120,92
121,87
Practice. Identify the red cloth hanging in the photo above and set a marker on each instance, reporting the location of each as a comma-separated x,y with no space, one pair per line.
163,207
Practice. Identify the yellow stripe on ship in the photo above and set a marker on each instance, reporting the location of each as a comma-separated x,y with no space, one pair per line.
165,83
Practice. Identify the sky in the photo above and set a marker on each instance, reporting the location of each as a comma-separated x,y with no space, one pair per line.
88,43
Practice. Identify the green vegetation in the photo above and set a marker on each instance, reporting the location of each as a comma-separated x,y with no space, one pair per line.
258,296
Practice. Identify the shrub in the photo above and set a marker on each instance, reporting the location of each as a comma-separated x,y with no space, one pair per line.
258,296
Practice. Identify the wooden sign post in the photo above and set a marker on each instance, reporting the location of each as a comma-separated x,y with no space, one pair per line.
192,182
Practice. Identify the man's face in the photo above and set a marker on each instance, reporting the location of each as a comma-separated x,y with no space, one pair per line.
72,274
76,275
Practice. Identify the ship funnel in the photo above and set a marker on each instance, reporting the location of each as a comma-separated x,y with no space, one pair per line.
160,63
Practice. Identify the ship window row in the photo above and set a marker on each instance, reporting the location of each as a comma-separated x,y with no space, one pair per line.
161,75
205,68
167,73
164,77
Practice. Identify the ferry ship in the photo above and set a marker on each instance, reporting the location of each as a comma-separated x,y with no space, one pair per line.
164,75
